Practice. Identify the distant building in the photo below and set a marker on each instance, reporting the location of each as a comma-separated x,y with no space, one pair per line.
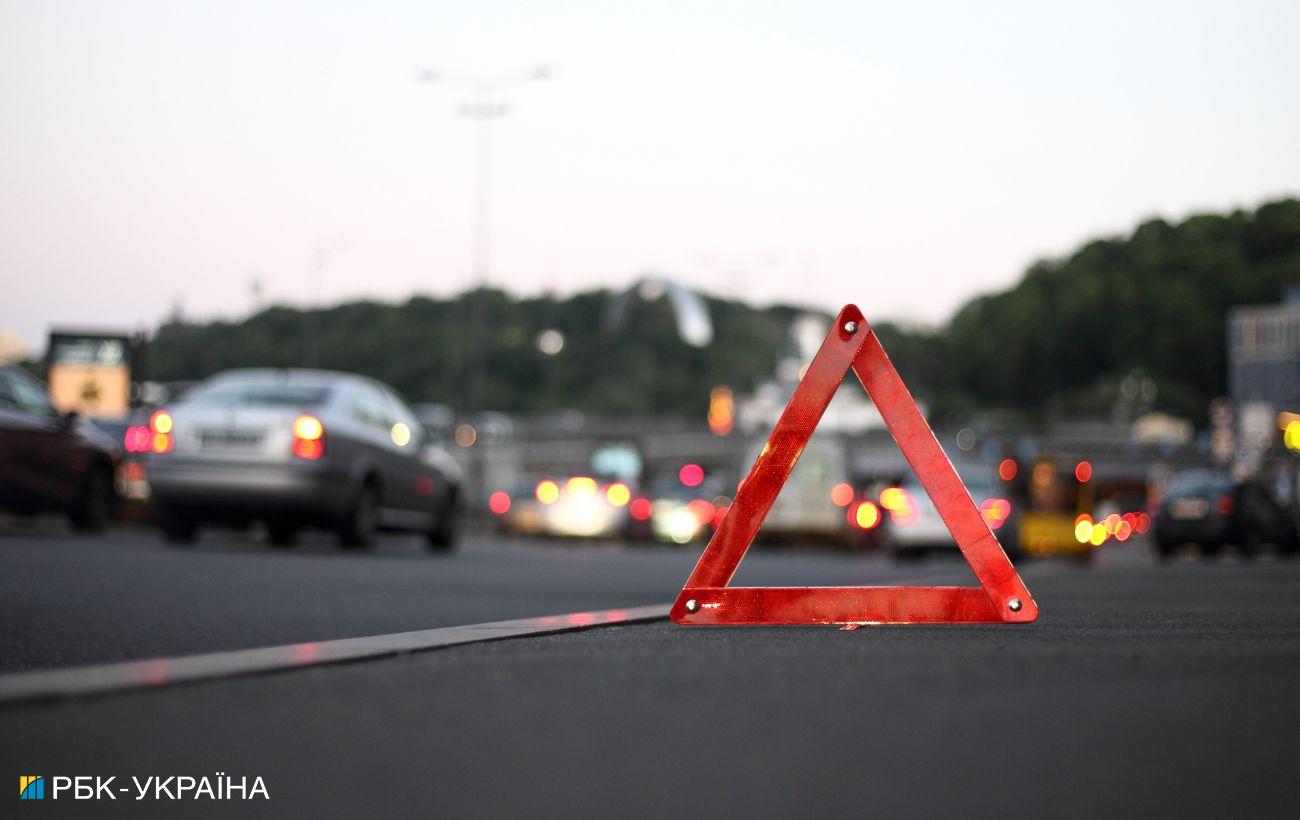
1264,354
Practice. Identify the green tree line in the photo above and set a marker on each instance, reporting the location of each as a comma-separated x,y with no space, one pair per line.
1153,303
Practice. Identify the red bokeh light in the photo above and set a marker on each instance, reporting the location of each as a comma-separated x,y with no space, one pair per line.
1083,471
842,495
1007,469
137,439
499,502
640,509
692,475
308,448
703,510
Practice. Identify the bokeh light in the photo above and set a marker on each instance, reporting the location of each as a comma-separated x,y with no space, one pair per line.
842,494
548,492
692,475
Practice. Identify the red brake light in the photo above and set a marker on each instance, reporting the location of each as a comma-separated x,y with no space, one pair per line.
1227,504
137,439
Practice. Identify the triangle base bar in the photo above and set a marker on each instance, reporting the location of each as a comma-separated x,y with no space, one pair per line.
701,606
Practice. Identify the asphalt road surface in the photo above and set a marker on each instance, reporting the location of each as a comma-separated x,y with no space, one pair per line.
73,600
1143,690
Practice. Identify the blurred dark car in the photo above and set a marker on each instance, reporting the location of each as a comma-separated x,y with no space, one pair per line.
295,448
50,460
1211,509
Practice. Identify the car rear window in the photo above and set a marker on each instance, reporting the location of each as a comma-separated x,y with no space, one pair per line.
1199,484
246,394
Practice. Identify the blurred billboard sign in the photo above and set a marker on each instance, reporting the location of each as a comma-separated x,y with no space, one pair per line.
90,373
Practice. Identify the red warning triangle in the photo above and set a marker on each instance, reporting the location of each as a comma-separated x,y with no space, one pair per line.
706,598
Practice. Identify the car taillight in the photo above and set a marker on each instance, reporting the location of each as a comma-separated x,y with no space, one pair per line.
308,437
138,439
996,511
161,427
902,509
864,515
1226,505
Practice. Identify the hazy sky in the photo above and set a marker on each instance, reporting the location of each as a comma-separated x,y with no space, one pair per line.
900,155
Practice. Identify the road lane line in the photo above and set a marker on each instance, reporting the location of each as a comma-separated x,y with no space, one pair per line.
80,681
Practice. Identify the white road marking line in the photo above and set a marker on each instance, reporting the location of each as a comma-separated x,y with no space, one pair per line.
97,679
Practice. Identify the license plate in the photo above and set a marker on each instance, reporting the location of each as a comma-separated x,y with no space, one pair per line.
229,439
1188,508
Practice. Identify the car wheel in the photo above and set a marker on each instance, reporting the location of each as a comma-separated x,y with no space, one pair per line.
1250,544
94,506
1288,545
282,533
357,531
446,529
179,528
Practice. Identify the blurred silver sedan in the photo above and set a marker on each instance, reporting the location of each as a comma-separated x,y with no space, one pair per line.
294,448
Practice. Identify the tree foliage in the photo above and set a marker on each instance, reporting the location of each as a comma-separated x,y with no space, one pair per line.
426,348
1154,302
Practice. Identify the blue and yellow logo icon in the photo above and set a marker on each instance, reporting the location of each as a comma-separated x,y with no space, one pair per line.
31,787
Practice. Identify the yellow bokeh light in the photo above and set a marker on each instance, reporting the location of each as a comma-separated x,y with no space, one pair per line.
548,492
581,486
893,498
1098,535
1083,530
867,515
618,495
1291,436
308,428
401,434
162,422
